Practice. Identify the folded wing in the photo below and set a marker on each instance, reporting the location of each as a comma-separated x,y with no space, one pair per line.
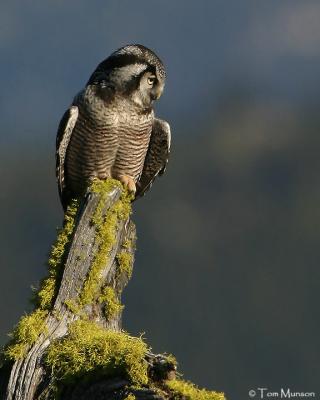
157,156
65,129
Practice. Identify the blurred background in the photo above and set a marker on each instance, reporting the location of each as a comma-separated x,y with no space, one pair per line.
226,275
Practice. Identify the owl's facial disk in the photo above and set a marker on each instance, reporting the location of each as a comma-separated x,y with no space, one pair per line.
134,73
149,89
138,82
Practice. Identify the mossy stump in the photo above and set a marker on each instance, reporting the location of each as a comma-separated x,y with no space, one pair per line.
72,346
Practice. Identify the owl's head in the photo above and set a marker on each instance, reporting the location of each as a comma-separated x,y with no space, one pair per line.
132,71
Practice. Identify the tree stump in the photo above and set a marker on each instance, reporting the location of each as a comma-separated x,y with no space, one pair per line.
72,346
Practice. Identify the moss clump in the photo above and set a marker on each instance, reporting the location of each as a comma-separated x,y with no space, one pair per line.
130,397
106,226
49,286
125,263
112,305
90,349
74,307
104,188
171,360
183,390
25,334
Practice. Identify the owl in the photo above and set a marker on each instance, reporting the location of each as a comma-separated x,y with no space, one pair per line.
110,130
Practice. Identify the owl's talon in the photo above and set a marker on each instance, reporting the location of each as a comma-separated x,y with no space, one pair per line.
128,182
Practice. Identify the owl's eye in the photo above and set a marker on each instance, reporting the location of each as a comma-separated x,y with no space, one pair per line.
151,80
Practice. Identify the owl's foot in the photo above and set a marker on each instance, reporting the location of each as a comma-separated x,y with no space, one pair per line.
128,182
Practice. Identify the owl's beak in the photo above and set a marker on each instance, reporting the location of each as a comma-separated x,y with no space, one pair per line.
157,92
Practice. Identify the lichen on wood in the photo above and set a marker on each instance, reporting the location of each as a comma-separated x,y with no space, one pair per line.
49,286
25,334
112,305
125,263
106,234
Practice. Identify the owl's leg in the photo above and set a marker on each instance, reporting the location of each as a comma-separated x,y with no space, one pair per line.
127,181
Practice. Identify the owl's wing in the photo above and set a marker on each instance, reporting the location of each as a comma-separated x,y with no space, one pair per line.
157,156
65,129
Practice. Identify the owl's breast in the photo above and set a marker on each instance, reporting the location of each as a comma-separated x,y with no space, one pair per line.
107,140
134,137
93,146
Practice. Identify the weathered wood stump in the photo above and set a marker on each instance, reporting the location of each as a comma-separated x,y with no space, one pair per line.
71,346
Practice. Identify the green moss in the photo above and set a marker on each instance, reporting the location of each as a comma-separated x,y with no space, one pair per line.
183,390
112,305
49,286
31,326
89,349
25,334
125,263
102,188
171,359
74,307
130,397
106,234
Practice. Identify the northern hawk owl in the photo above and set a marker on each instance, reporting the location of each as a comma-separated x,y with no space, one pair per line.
110,129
